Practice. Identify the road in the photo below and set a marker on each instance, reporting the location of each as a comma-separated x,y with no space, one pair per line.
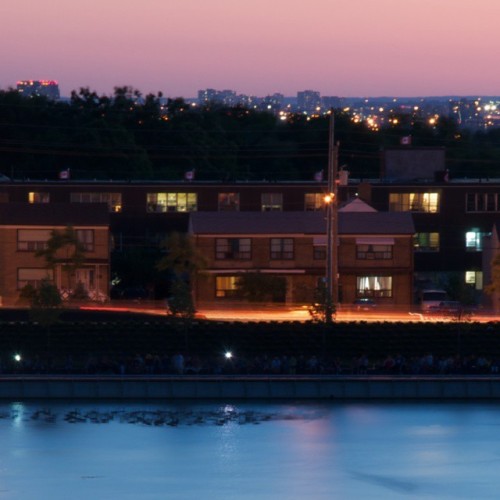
280,313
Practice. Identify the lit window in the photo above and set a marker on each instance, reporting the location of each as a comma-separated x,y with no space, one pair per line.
226,287
474,278
33,277
474,240
314,201
426,242
282,248
414,202
229,202
374,286
271,202
38,197
172,202
114,200
233,248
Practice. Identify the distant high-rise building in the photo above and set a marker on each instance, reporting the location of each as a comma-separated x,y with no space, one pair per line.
207,95
275,100
47,88
329,102
225,97
309,101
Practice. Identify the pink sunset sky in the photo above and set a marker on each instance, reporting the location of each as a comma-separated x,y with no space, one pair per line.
258,47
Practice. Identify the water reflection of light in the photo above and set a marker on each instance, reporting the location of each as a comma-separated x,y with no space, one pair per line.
18,413
431,430
227,452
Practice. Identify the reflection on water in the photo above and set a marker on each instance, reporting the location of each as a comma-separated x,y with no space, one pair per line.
249,450
158,417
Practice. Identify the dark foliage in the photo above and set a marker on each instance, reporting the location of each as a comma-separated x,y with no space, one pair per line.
130,136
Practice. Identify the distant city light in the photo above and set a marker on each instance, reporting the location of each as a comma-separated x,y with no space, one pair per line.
17,358
228,355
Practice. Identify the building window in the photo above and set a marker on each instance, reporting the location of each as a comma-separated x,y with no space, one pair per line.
32,240
414,202
271,202
374,252
481,202
229,202
319,252
38,197
172,202
282,248
475,279
314,201
374,286
233,248
426,242
33,277
226,287
86,237
474,240
114,200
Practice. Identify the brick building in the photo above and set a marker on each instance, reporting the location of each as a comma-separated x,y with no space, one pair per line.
25,228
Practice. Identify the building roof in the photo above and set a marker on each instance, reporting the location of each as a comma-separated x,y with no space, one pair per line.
54,214
356,205
312,223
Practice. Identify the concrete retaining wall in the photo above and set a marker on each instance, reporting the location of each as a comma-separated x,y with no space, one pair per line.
248,387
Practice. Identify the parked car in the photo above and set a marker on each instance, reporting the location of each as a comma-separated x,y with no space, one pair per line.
451,308
364,304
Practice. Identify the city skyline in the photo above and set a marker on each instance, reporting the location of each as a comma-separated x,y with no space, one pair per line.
343,48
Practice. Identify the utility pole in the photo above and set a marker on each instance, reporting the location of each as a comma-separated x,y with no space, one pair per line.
331,225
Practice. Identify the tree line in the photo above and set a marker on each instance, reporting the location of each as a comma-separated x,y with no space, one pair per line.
128,136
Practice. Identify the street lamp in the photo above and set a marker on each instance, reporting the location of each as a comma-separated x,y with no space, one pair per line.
331,227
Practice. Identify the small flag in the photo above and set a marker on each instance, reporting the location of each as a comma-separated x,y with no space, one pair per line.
406,140
189,175
318,176
64,174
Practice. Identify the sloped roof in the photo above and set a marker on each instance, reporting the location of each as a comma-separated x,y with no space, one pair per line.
313,223
54,214
356,205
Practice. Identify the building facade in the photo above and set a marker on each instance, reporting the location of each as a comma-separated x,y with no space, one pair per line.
450,218
375,255
46,88
25,230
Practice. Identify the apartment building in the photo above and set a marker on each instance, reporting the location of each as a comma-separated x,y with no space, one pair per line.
375,254
26,228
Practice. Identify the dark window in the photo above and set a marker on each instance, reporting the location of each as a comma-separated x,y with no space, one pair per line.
282,248
233,248
373,252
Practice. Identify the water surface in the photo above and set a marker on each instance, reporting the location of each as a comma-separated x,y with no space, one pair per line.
249,450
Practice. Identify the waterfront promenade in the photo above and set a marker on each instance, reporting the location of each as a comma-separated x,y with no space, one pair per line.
98,355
